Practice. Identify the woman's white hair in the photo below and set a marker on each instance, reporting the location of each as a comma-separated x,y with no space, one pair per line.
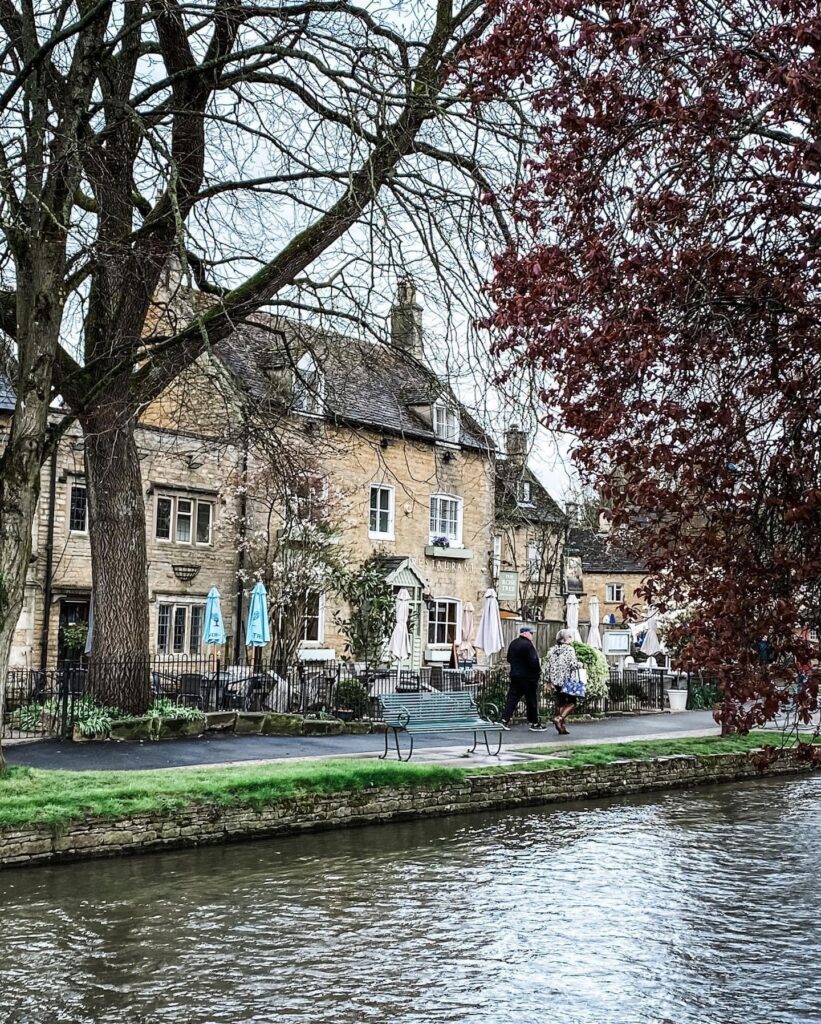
564,636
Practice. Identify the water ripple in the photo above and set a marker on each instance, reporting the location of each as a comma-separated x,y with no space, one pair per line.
673,909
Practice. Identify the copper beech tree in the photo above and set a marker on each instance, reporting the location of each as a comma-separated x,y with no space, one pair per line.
665,280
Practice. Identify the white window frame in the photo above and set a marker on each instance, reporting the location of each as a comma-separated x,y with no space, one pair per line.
195,501
320,631
79,485
378,534
309,387
525,492
432,622
456,540
612,588
176,604
446,422
497,555
534,558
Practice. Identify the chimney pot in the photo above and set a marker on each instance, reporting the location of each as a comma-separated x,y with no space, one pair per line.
406,319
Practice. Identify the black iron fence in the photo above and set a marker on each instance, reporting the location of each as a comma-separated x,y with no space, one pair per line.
50,702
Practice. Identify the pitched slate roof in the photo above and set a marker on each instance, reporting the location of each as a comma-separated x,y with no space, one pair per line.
364,382
599,554
7,395
542,508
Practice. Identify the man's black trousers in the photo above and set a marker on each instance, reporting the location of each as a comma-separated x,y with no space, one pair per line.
529,693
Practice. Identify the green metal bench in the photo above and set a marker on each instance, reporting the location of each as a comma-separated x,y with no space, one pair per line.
413,713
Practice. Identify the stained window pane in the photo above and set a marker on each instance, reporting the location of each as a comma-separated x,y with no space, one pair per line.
179,630
78,511
184,515
163,622
197,613
163,531
203,522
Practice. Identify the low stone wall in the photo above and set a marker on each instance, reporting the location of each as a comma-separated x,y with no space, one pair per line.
204,824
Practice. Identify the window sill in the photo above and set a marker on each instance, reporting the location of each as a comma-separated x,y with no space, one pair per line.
317,654
457,553
438,654
381,536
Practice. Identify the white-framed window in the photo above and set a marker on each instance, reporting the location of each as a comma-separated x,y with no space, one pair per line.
525,492
309,498
446,519
381,512
534,559
181,520
446,422
614,593
497,555
444,621
309,387
179,626
78,509
313,623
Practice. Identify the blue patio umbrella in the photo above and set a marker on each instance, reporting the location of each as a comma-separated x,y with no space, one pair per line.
214,627
258,632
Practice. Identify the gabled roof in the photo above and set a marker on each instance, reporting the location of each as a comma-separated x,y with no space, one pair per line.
7,395
366,383
542,508
599,554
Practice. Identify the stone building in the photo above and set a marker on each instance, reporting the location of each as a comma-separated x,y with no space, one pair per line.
529,538
363,430
597,565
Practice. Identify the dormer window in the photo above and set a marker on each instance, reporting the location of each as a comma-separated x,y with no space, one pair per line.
308,387
525,492
446,422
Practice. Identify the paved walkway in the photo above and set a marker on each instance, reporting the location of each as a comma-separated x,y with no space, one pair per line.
234,749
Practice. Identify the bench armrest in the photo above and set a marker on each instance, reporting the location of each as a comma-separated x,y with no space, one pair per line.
404,717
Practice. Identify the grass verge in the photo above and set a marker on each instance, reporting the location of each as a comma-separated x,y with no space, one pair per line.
30,796
642,750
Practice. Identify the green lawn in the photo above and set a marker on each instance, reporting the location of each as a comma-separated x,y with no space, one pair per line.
33,796
30,795
606,753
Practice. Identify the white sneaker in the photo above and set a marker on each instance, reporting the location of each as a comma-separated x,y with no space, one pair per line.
538,727
505,725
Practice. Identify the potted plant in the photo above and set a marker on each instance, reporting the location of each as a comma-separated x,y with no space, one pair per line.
440,542
352,700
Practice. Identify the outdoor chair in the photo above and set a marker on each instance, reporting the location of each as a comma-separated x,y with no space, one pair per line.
190,689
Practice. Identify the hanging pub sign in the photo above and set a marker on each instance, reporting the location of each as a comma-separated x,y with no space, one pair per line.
507,586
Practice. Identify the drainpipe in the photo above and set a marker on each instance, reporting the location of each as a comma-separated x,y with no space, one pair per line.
47,590
243,509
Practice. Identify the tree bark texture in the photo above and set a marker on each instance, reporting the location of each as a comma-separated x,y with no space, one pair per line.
116,506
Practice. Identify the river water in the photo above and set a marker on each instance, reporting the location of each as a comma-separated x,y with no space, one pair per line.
698,907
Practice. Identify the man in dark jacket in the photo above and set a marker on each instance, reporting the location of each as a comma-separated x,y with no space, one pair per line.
525,674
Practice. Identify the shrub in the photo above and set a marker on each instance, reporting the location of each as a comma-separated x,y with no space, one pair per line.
353,696
597,672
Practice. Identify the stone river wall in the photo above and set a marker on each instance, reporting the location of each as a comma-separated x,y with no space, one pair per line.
203,824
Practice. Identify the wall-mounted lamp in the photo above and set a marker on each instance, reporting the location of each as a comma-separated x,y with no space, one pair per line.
384,442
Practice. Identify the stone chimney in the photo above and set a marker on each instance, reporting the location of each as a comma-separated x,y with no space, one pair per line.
516,442
406,320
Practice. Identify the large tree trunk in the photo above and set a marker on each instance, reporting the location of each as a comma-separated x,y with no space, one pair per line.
39,314
119,652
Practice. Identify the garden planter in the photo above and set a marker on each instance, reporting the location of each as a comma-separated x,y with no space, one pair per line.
134,729
322,727
677,699
249,723
277,724
220,721
181,727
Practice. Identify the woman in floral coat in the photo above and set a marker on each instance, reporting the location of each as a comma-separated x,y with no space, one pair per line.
563,674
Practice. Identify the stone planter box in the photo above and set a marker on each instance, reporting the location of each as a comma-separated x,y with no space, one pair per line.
357,728
181,727
220,721
276,724
133,729
322,727
249,723
434,552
